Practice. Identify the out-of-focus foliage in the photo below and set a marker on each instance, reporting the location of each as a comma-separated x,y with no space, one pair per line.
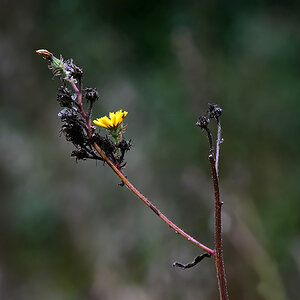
68,231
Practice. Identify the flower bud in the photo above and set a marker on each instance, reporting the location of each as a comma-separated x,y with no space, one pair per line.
44,54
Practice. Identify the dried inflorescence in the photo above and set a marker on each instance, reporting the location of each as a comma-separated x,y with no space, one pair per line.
76,124
214,111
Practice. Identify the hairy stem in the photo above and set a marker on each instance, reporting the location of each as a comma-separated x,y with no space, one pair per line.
150,205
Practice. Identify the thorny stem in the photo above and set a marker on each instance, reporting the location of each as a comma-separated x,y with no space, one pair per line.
150,205
218,256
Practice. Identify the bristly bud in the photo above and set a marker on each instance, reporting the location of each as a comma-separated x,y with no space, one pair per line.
80,154
74,70
214,111
91,94
106,145
73,128
64,97
124,145
203,122
44,54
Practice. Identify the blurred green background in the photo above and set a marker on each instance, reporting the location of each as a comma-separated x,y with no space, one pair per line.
68,231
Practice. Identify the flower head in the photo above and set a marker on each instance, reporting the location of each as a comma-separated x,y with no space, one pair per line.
114,120
114,124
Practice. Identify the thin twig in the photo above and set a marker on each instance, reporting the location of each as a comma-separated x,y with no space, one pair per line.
196,261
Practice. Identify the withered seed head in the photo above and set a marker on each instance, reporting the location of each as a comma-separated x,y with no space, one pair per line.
202,122
214,111
91,94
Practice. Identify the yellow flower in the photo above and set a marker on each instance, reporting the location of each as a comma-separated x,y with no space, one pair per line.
114,120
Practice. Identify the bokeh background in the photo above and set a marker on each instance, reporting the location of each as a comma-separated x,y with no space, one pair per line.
68,231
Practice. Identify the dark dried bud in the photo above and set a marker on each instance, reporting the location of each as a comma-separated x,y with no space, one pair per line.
91,94
80,154
105,144
74,70
203,122
125,145
64,97
74,133
72,127
214,111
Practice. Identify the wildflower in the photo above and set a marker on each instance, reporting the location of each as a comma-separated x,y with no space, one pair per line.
114,120
113,123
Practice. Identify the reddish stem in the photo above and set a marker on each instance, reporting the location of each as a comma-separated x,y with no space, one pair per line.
82,112
150,205
217,253
219,261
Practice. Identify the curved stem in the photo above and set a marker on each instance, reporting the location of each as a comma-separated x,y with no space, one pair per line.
150,205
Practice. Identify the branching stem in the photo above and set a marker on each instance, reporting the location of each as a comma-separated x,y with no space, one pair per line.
218,252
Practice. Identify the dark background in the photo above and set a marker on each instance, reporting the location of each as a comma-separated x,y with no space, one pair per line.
68,231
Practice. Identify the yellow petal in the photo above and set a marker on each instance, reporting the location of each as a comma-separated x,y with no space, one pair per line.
103,122
113,118
107,122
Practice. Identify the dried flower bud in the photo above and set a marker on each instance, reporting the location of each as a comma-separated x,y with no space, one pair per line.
202,122
44,54
80,154
64,97
74,71
214,111
125,145
91,94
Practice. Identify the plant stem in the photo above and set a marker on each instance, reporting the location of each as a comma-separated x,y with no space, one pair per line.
218,256
218,143
217,253
150,205
219,261
82,112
